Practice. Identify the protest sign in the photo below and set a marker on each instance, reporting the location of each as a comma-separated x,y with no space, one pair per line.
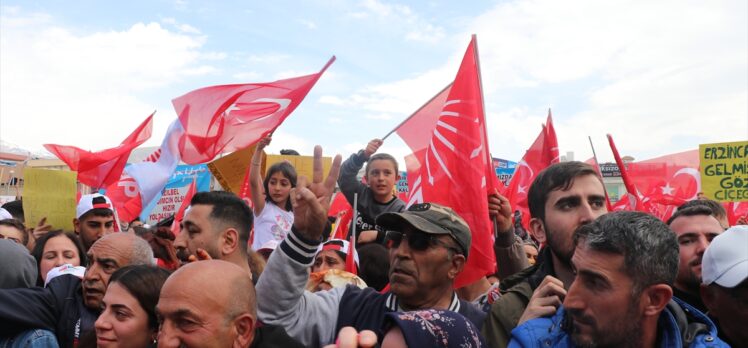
174,192
504,169
50,194
724,171
231,169
304,164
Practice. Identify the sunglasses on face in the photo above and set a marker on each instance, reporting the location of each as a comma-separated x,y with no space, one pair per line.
416,241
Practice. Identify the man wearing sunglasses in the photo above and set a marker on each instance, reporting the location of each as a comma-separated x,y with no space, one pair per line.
428,246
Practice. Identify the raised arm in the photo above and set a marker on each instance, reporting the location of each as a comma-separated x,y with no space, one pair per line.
347,181
508,249
308,317
255,177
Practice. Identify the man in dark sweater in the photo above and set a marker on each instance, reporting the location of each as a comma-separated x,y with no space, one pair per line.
68,306
428,249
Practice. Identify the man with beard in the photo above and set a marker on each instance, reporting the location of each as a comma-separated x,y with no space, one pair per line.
68,306
216,226
562,197
428,247
625,264
694,227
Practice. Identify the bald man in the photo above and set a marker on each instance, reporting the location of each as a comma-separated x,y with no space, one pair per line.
226,318
69,306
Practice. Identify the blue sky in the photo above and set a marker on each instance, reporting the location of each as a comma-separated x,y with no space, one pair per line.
660,76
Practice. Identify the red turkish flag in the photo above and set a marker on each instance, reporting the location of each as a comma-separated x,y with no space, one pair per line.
343,221
454,166
541,154
659,185
227,118
736,211
175,226
102,168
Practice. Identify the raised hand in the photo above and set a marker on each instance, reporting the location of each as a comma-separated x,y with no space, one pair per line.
372,147
500,209
264,142
545,300
311,200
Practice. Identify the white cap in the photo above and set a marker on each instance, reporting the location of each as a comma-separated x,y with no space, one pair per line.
53,273
269,245
86,204
4,214
725,261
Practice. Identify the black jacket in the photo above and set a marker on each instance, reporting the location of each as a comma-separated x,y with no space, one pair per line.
59,308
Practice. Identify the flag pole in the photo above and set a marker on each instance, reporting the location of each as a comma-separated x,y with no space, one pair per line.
352,232
600,170
414,113
474,37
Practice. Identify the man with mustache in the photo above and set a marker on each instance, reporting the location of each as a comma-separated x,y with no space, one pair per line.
624,264
428,246
695,227
69,306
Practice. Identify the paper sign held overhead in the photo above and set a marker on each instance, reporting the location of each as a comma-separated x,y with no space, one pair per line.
50,194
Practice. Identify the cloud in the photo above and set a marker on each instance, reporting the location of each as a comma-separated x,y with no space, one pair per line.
416,27
308,24
61,81
658,83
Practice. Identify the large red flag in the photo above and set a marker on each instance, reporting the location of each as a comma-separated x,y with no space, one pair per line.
102,168
453,170
541,154
659,185
227,118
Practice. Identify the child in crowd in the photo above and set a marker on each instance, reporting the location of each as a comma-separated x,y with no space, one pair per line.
376,196
271,201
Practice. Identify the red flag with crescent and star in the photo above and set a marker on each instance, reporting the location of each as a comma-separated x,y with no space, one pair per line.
227,118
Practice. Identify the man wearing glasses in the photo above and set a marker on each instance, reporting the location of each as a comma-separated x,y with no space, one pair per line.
428,246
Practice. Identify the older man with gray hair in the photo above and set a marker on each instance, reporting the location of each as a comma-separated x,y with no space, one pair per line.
69,306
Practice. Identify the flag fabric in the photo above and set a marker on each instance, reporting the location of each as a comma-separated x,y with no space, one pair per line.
542,153
453,165
425,118
179,216
141,183
102,168
633,200
736,211
659,185
227,118
343,212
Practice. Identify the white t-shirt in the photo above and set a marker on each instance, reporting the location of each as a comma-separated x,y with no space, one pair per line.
273,223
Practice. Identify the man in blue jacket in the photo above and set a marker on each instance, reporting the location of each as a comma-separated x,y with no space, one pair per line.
625,265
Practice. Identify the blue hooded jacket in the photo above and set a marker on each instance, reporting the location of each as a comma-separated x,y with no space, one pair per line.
679,325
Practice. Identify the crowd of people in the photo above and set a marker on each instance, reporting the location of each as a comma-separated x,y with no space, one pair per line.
271,275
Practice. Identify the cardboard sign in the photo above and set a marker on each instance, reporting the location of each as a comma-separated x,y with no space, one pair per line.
724,171
175,191
51,194
230,170
304,164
